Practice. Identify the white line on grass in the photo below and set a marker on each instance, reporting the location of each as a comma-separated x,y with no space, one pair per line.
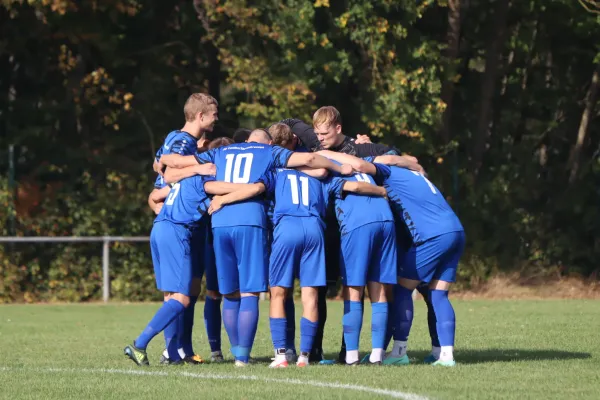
331,385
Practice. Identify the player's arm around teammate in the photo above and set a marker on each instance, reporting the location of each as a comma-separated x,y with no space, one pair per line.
157,197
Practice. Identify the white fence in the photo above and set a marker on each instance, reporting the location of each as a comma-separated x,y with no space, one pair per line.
106,240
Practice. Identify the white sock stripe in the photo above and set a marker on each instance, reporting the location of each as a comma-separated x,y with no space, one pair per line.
331,385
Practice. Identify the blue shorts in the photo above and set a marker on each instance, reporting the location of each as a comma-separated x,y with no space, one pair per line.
298,251
170,245
242,258
434,259
368,254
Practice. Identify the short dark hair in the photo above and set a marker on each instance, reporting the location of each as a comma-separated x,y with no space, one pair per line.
241,135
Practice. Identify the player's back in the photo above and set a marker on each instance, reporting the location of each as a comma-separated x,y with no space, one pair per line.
244,163
354,210
186,203
419,203
296,194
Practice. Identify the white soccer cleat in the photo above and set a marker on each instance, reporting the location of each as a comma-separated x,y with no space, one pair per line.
302,362
240,364
280,362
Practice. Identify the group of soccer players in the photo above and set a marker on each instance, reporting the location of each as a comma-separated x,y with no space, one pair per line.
296,201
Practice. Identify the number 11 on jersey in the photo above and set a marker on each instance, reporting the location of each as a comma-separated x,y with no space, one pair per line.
303,190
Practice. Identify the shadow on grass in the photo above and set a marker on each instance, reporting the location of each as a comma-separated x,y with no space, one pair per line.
468,356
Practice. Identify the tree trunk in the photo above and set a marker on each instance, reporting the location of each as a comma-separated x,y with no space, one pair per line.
453,43
590,103
489,81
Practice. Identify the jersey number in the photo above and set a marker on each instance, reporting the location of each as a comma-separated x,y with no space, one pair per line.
172,194
426,180
233,169
363,178
303,190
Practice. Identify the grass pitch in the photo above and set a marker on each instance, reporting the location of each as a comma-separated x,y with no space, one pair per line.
545,349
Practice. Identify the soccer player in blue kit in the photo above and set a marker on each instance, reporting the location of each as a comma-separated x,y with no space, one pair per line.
201,114
240,230
298,245
438,243
174,240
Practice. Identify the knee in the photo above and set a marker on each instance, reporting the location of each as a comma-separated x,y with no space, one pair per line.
213,294
278,293
182,298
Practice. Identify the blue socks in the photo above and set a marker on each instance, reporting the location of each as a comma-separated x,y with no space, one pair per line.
403,304
308,331
185,336
212,321
379,324
446,319
231,310
290,316
278,332
352,322
163,317
247,324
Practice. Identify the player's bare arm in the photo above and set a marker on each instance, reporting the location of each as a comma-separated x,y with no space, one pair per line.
358,164
220,188
174,161
245,192
318,173
173,175
316,161
364,188
157,198
408,162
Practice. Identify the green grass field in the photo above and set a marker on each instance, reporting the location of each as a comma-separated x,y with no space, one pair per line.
505,350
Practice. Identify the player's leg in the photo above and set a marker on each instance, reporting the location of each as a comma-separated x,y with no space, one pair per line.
440,285
290,329
212,302
253,265
285,255
356,252
424,290
228,282
175,277
312,276
419,265
381,275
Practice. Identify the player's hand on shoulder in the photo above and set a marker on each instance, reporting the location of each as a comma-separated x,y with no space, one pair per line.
413,164
346,169
215,204
362,139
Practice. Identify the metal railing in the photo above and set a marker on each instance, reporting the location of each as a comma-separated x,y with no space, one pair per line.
106,240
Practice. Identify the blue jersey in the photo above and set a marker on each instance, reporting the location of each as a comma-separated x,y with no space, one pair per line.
177,142
299,195
187,202
418,202
354,210
244,163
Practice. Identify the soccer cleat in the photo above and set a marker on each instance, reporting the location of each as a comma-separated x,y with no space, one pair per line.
389,360
290,356
365,359
327,362
194,360
441,363
138,356
316,355
164,360
279,363
302,361
240,364
430,359
216,357
353,364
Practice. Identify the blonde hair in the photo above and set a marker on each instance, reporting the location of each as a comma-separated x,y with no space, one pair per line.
328,116
282,134
196,103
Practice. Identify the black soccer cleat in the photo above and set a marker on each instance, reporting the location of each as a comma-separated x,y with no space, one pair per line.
138,356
